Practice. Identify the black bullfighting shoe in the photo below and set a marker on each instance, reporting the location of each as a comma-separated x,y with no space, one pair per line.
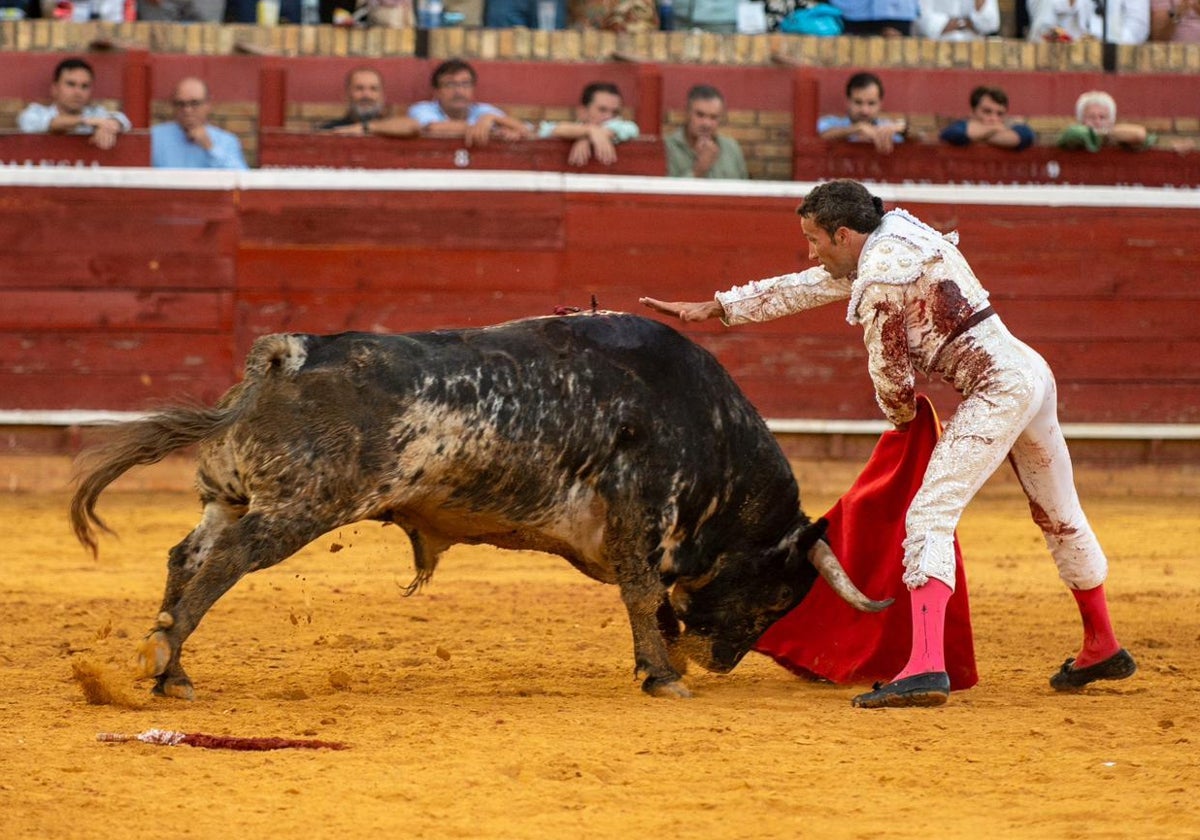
932,689
1117,667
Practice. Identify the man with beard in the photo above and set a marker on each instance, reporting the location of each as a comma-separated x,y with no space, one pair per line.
366,109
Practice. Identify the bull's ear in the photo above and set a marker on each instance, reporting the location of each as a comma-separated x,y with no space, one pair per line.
808,537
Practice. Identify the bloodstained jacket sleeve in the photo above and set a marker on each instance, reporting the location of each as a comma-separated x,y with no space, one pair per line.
885,333
774,297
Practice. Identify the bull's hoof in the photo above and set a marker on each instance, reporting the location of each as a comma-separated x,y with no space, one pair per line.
657,687
153,654
178,687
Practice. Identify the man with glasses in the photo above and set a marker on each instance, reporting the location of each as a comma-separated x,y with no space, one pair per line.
453,111
71,110
989,124
191,142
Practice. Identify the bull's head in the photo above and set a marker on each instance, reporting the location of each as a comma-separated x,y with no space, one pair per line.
725,612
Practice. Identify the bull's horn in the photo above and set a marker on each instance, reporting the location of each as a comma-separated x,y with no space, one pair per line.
822,556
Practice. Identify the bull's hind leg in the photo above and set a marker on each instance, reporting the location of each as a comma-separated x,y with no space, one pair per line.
256,541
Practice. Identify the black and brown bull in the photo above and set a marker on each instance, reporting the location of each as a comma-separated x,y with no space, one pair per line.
608,439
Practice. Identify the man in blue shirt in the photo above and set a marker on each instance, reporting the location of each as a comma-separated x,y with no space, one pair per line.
453,112
861,122
988,123
889,18
71,110
190,142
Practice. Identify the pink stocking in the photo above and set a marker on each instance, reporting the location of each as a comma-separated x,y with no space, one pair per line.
1099,640
928,629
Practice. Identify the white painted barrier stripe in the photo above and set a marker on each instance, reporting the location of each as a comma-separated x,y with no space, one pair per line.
1079,431
497,181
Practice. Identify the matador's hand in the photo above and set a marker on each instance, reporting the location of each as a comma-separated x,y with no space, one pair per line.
684,311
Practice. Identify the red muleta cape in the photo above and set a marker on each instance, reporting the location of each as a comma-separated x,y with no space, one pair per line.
826,637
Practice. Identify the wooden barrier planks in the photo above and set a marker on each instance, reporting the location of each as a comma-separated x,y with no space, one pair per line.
176,285
278,148
17,149
940,163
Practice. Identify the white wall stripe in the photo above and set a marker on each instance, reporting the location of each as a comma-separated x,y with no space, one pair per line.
495,181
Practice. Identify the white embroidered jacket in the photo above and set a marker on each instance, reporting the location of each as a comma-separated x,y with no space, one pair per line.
911,290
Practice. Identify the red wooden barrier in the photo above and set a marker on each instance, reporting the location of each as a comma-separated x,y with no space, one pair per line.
272,99
939,163
644,156
119,298
135,88
17,149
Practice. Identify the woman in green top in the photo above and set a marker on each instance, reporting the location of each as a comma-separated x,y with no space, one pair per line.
1098,126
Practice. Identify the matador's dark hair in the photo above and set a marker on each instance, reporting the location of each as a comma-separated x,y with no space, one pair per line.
843,203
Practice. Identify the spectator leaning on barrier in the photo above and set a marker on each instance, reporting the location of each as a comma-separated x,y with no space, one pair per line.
190,142
988,124
698,149
861,123
453,112
598,126
959,20
71,110
889,18
1097,128
366,109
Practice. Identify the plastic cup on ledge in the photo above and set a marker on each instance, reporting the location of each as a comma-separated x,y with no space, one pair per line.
268,12
547,14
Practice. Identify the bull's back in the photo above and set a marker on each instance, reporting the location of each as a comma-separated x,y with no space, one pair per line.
579,372
622,405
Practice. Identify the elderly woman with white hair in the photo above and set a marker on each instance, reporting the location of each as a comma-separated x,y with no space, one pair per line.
1097,126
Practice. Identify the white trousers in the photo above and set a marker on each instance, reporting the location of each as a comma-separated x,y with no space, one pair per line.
1012,412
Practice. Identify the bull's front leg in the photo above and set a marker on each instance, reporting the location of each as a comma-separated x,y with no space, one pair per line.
652,659
628,544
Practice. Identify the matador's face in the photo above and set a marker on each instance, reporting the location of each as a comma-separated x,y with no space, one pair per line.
835,253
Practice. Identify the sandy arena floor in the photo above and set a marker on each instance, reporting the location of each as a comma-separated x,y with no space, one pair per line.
501,702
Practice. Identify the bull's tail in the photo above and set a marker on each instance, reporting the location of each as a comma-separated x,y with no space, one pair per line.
137,443
149,440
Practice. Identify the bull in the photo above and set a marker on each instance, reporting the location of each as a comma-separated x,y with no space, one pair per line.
608,439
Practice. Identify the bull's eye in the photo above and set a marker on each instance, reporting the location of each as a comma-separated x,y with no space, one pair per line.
785,595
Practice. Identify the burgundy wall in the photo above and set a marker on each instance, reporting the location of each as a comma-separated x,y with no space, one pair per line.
122,298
